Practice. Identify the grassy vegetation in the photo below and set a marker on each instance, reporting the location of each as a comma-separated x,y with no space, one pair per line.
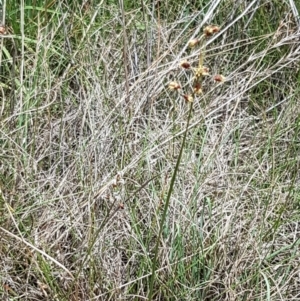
100,196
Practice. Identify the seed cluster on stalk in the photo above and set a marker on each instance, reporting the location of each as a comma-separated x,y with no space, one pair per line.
201,71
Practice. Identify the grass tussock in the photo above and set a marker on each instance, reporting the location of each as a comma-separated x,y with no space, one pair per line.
90,138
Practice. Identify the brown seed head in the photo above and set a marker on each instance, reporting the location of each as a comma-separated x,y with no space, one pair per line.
193,42
185,64
219,78
210,30
188,98
204,71
198,89
201,71
174,86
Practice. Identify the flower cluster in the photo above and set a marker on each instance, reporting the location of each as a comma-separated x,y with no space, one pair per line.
201,71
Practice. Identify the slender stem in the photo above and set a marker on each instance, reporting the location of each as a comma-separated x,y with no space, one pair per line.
166,205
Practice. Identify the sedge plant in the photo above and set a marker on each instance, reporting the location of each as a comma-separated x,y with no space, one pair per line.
195,93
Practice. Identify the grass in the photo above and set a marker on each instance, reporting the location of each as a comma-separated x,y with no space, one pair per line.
90,135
